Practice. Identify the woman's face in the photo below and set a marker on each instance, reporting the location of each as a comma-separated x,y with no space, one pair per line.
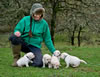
37,16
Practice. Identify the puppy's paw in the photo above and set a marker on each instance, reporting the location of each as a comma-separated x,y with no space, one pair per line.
43,66
49,66
31,61
55,68
27,65
66,66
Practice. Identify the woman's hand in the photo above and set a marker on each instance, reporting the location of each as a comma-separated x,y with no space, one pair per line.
18,34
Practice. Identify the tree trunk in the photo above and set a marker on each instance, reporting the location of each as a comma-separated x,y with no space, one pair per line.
72,39
52,30
73,35
79,37
54,12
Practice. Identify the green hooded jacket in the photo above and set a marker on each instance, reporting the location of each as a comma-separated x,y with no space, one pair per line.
40,31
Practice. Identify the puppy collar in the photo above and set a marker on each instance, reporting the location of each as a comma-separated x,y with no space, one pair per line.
58,55
29,58
65,57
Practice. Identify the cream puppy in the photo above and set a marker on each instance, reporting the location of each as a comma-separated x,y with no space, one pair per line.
46,60
57,54
71,60
55,62
26,59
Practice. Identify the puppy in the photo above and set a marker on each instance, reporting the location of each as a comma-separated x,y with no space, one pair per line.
57,54
26,59
55,62
46,60
71,60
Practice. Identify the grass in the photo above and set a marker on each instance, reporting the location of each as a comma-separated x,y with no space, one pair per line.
89,54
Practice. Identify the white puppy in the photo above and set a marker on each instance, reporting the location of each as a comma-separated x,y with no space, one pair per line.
26,59
57,54
46,60
55,62
71,60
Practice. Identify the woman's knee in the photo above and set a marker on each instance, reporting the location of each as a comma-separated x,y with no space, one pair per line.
15,40
38,64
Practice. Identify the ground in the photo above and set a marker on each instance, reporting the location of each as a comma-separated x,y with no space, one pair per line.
89,54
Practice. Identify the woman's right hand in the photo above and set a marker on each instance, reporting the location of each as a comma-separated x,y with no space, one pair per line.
18,34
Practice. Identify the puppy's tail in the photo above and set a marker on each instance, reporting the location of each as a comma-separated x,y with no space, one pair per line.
83,61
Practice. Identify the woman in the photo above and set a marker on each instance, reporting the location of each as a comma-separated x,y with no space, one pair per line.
29,33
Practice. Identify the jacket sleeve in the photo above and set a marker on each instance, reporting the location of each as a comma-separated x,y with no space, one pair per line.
47,39
20,26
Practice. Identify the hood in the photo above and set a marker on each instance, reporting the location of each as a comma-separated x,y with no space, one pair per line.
37,7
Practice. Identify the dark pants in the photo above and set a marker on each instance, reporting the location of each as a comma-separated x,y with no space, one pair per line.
37,62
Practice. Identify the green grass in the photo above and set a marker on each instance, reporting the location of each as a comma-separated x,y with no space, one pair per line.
90,54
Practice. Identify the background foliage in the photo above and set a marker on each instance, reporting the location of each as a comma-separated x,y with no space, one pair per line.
78,19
